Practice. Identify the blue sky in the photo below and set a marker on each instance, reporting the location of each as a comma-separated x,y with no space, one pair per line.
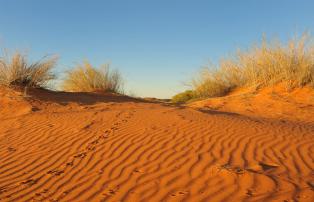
156,44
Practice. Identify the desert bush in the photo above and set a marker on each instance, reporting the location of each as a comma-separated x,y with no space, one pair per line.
86,78
183,97
16,71
211,83
269,64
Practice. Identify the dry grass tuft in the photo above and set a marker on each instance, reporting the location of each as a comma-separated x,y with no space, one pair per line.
86,78
16,71
269,64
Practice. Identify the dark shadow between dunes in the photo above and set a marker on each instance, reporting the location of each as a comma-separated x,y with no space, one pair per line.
215,112
82,98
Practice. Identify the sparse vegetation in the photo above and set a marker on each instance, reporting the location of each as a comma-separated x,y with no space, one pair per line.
16,71
269,64
183,97
86,78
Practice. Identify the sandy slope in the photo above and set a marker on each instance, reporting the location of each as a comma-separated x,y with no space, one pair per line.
273,102
83,147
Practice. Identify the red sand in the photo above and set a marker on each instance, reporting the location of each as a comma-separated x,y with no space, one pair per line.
93,147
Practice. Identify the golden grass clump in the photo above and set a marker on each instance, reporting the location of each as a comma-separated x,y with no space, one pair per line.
261,66
16,71
86,78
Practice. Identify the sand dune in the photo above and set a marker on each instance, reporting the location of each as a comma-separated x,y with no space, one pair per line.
88,147
272,102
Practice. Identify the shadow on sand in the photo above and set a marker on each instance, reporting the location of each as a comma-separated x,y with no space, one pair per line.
215,112
82,98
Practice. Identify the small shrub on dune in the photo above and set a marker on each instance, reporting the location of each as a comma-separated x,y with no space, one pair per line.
183,97
86,78
211,83
261,66
16,71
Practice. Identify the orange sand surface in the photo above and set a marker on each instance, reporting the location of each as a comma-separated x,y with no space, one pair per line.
275,102
106,147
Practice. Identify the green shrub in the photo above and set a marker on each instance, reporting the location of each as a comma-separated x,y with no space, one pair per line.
183,97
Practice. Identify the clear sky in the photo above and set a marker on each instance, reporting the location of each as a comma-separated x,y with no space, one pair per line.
156,44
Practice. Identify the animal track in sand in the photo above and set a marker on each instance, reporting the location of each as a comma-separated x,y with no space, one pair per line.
29,182
11,149
55,172
91,146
